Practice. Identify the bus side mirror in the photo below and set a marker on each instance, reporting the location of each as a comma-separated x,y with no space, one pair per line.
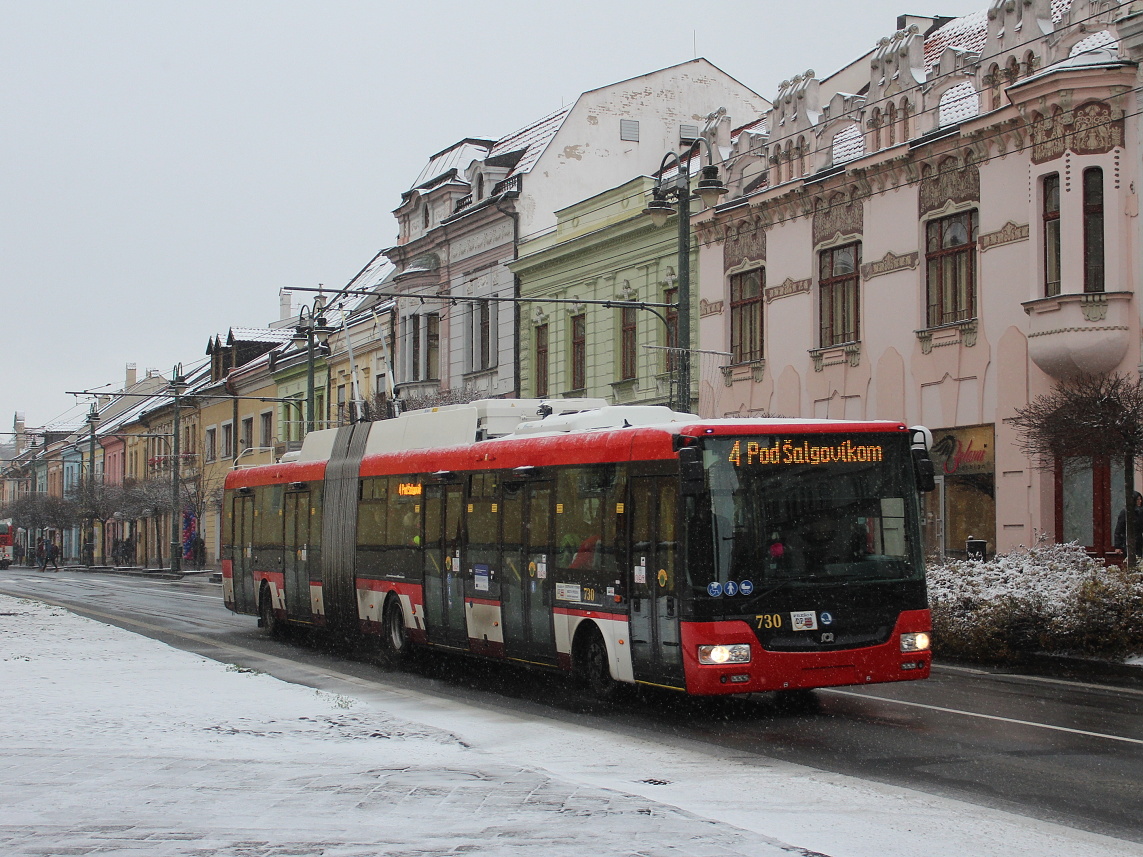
691,470
923,470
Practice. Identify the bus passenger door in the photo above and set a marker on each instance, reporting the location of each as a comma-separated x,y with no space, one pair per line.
297,515
444,564
243,551
525,588
656,655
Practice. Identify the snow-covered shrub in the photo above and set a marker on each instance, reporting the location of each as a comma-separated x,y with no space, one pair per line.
1050,598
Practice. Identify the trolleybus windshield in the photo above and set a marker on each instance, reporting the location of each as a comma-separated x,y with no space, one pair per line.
807,510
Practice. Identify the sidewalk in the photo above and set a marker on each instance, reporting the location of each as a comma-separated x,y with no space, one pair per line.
115,744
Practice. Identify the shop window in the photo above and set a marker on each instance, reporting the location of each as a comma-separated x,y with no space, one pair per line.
1089,498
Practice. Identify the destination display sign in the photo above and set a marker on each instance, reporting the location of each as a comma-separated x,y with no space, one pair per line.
788,451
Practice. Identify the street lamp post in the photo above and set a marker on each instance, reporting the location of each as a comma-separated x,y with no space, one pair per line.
178,385
311,328
89,542
709,189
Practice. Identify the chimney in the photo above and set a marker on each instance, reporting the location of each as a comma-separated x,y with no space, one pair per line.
285,305
130,376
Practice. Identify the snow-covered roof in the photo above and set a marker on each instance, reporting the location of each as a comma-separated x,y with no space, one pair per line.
532,139
968,33
456,157
258,334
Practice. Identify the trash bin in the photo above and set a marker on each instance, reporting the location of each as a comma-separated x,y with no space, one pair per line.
975,548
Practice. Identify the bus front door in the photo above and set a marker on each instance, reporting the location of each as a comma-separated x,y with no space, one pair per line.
656,655
525,587
444,566
297,515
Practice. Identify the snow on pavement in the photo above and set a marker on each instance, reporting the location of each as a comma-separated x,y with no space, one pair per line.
116,744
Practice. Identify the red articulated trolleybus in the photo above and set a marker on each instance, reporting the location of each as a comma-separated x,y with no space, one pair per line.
622,544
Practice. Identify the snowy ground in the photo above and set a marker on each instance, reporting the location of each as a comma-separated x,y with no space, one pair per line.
115,744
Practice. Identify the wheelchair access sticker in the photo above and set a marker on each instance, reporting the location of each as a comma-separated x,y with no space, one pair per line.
804,620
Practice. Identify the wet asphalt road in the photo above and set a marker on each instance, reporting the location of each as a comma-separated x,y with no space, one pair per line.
1059,749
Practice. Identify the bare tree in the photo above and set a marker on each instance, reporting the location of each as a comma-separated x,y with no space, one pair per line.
1093,416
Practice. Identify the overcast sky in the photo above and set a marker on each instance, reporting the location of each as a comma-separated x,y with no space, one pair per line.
168,166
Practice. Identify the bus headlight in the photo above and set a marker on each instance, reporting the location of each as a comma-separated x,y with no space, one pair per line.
917,642
736,654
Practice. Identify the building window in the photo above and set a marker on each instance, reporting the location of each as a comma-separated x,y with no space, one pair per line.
627,339
414,331
950,256
839,294
482,325
1051,216
629,130
746,315
227,451
1093,230
210,444
671,297
432,346
541,360
247,433
579,352
267,433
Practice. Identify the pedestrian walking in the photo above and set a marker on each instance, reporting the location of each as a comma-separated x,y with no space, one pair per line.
1120,538
42,555
52,555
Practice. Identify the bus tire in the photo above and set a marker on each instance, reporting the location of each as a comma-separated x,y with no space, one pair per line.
594,665
394,635
267,618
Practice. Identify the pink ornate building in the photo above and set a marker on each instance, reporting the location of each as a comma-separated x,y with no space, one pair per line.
936,234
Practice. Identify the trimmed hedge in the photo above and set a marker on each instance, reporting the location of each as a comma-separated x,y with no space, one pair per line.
1053,598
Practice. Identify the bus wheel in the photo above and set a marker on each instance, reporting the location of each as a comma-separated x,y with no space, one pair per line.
267,618
594,670
394,637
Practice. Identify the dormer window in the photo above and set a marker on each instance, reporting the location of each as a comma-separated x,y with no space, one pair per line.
480,186
425,216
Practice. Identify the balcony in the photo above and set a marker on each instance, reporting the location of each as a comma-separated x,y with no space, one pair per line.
1079,333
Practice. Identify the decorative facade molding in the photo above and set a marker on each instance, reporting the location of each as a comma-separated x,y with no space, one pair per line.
836,355
888,264
743,245
838,220
1009,233
788,287
959,333
756,372
1091,129
710,307
1094,306
949,184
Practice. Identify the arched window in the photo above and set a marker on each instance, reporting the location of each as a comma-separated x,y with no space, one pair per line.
994,87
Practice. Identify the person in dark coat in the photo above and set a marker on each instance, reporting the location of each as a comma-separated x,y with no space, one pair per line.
1120,539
